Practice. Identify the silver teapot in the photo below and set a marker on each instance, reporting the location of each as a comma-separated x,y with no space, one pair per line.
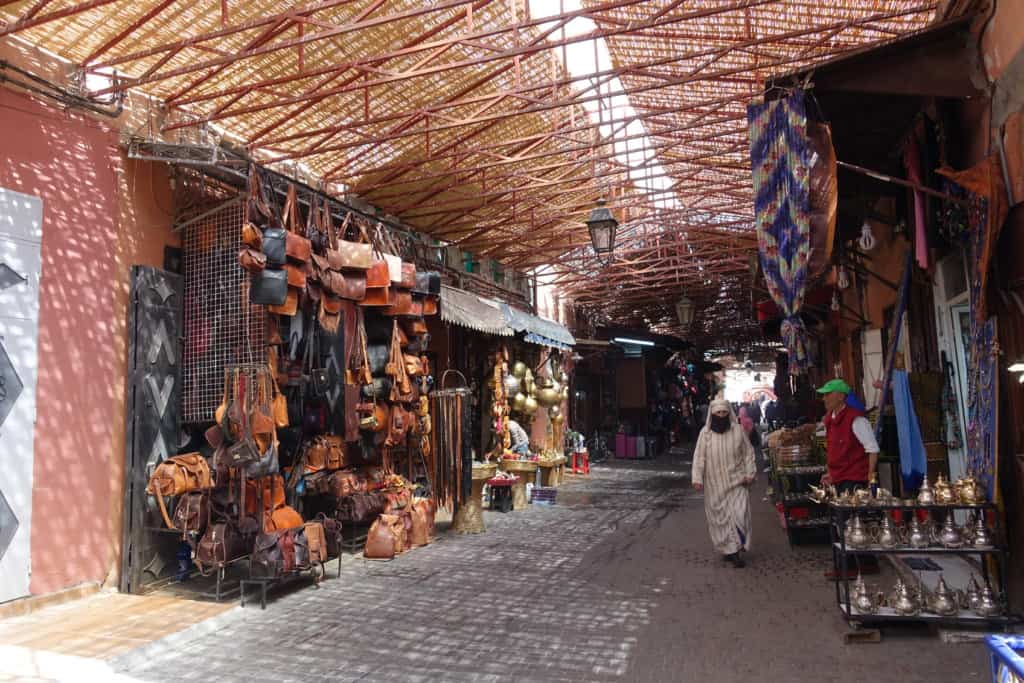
925,494
973,594
883,497
981,537
917,535
949,535
943,601
987,605
969,490
888,535
856,534
861,600
904,602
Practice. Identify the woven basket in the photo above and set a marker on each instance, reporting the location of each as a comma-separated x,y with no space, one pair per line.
518,466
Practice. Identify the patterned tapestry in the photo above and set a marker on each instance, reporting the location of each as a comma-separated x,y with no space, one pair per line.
780,160
986,212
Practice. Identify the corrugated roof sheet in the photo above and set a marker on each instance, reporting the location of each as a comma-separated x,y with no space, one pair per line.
463,308
538,330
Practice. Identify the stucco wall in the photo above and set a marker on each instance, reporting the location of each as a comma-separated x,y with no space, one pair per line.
94,229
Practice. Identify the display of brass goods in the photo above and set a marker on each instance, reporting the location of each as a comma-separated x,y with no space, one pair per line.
512,385
943,601
862,497
519,370
888,535
861,599
917,535
969,491
925,494
944,493
528,383
856,533
949,535
793,456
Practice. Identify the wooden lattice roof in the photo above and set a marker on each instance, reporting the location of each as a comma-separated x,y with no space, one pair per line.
464,120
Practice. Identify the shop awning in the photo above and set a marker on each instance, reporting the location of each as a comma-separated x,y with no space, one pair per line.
463,308
538,330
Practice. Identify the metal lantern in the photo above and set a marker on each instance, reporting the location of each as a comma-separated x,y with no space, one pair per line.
602,226
519,402
684,311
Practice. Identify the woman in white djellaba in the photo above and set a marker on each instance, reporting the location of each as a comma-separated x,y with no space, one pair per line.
724,469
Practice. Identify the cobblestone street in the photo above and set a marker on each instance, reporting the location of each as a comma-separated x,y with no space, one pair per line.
618,582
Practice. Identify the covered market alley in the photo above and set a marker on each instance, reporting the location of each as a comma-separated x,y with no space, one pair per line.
511,339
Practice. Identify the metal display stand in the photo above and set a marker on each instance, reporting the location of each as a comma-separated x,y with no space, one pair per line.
786,481
841,555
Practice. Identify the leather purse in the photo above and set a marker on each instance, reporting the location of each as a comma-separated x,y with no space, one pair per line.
376,296
347,285
273,554
420,534
430,305
191,513
355,255
329,314
296,276
408,280
332,535
269,288
379,388
427,282
297,247
224,542
282,517
377,274
252,260
414,327
400,302
178,475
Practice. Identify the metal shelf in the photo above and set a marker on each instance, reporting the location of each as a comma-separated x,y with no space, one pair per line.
878,550
801,470
900,506
888,614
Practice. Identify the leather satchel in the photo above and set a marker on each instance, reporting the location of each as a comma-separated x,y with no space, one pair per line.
273,554
291,303
274,246
315,538
413,365
332,535
191,514
376,297
335,452
297,247
380,541
296,276
399,425
282,517
252,260
359,508
269,287
355,255
178,475
400,302
427,282
408,280
224,542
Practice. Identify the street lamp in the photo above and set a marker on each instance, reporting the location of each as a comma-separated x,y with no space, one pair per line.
684,311
602,225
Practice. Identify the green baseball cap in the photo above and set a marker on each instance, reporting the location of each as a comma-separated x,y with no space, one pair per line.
834,385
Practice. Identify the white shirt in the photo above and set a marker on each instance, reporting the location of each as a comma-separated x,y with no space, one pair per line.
862,430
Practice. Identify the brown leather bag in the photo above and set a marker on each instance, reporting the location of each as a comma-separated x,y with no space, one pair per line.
408,280
329,314
400,302
224,542
296,276
252,260
316,455
290,305
413,365
430,305
283,517
332,535
344,483
377,274
297,246
177,475
414,327
252,237
191,513
380,541
355,255
359,508
429,510
399,425
316,542
420,527
273,493
336,452
376,297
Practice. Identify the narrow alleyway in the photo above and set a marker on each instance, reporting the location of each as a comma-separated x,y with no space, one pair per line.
616,583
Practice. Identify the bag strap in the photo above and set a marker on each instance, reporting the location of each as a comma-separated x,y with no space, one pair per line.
332,238
311,216
288,214
163,507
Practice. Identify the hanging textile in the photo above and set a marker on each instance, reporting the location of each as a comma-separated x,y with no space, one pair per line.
913,458
450,461
912,163
986,214
780,160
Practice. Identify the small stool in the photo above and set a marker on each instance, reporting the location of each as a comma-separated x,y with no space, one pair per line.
580,462
501,494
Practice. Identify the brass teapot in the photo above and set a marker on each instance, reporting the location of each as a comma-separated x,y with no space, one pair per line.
862,497
987,605
861,600
856,534
925,494
888,535
949,535
969,491
904,602
943,601
917,534
944,492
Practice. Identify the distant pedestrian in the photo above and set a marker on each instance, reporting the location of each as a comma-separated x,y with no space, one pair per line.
723,467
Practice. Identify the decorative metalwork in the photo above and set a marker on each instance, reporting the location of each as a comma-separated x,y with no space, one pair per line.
9,277
8,524
11,385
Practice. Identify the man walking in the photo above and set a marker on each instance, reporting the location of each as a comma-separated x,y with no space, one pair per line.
723,467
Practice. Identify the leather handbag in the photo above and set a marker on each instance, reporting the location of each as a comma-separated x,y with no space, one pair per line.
377,274
316,455
178,475
297,247
266,464
296,276
329,314
347,285
408,280
191,513
359,508
332,535
269,287
400,302
430,305
315,537
387,251
282,517
355,255
272,492
351,414
413,365
291,303
376,296
225,542
414,327
380,541
273,554
398,426
427,282
252,260
335,452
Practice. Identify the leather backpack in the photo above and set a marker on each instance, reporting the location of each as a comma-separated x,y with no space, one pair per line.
176,476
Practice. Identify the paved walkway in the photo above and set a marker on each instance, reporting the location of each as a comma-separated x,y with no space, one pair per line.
618,582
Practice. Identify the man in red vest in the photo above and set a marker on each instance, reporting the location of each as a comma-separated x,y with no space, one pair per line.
852,453
849,441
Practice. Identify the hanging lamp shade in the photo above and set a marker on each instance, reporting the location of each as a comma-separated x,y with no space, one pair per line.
602,225
684,311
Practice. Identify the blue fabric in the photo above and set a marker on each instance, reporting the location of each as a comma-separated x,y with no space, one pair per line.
913,461
854,402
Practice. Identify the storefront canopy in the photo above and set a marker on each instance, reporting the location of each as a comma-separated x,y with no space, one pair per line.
538,330
463,308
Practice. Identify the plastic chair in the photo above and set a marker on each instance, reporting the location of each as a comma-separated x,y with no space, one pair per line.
580,462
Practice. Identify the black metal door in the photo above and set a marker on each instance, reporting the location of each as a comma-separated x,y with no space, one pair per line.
153,420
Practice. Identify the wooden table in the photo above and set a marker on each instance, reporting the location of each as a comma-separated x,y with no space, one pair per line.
525,470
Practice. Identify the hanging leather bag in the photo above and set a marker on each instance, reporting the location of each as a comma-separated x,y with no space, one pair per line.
332,535
297,245
252,260
178,475
269,287
427,282
356,255
191,513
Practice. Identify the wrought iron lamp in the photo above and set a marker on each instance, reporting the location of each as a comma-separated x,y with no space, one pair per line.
684,311
602,226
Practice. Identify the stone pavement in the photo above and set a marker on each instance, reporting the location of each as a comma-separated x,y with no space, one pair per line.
618,582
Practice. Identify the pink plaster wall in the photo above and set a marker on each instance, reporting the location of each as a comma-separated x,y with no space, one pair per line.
1003,37
92,232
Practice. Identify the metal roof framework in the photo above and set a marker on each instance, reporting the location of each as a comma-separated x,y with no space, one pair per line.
463,119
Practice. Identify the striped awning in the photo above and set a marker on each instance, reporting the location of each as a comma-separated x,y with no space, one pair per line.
538,330
466,309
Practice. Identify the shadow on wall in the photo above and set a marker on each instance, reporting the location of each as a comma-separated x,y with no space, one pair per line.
73,164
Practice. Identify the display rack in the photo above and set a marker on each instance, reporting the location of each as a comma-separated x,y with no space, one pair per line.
841,555
789,482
